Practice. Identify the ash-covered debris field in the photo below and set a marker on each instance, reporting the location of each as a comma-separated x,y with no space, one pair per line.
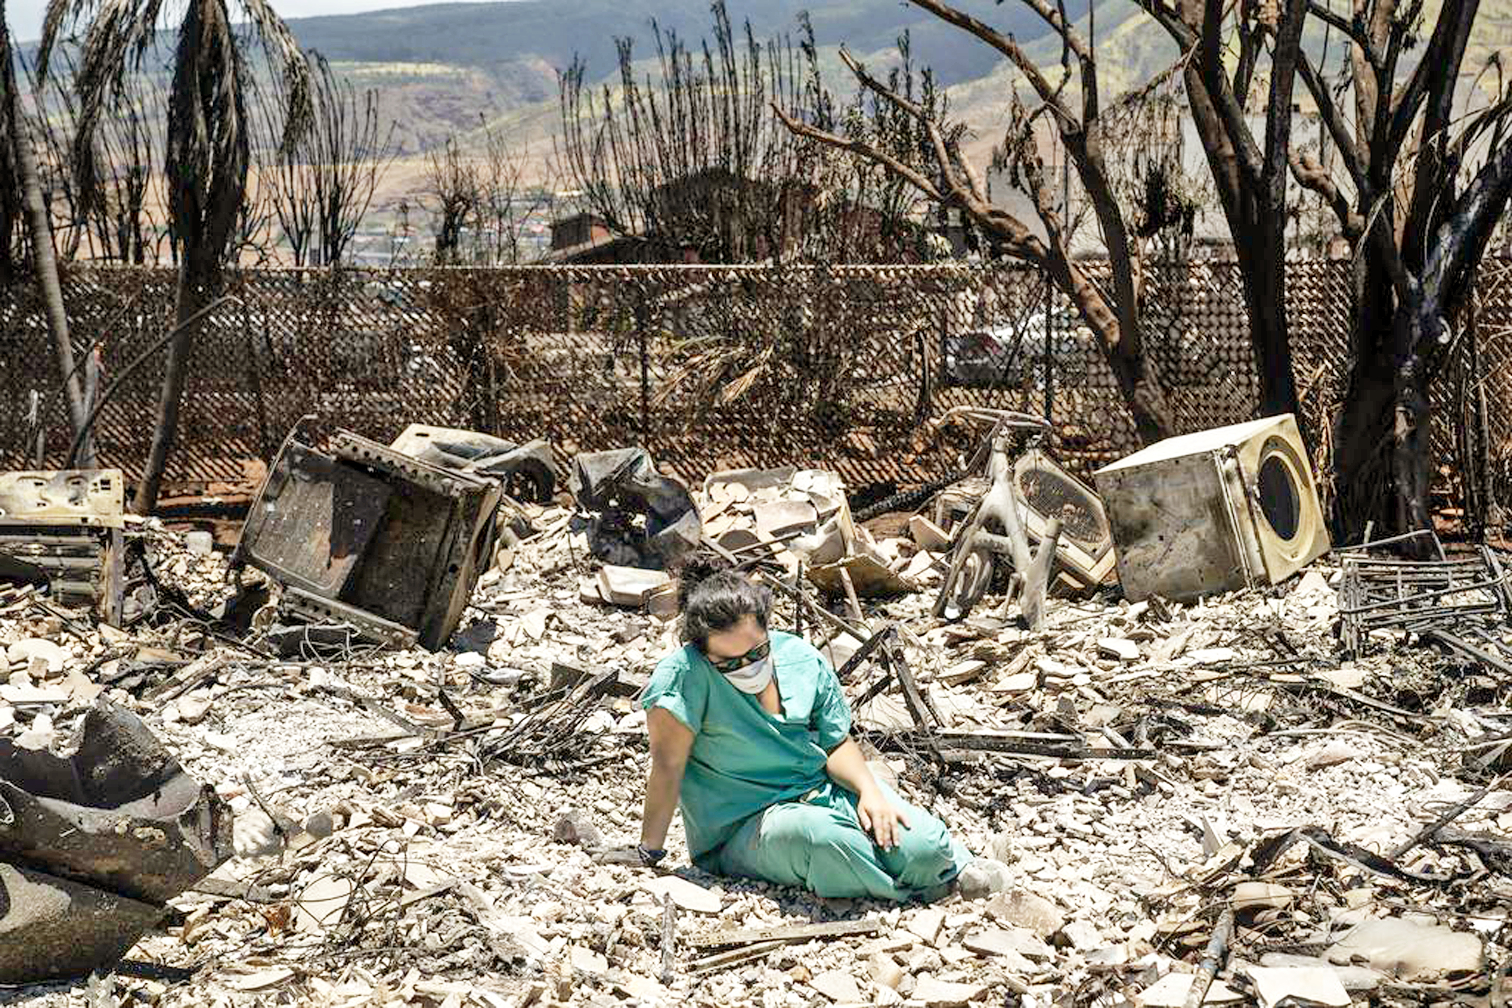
375,754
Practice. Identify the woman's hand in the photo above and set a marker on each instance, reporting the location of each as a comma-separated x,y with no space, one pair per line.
880,818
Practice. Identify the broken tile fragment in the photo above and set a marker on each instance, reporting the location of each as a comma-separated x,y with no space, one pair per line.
837,986
1409,950
1120,648
1293,985
1006,940
1171,991
926,924
945,994
1026,910
688,895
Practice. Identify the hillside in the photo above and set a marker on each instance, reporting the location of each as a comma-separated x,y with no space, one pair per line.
533,35
441,68
444,71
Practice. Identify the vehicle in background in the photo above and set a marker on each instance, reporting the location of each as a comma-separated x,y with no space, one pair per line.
1012,354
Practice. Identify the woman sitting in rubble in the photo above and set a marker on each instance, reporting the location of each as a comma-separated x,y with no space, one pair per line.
749,734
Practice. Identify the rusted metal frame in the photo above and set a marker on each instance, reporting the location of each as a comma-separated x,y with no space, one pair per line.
1494,585
797,595
373,628
1392,540
864,653
947,741
1450,814
875,690
1418,620
594,690
920,706
885,647
1489,556
733,957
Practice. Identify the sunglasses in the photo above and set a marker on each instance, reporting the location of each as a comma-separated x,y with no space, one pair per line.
752,656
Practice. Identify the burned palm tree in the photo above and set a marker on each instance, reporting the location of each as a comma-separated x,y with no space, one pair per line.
207,143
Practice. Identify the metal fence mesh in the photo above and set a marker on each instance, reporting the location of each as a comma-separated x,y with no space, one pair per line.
711,366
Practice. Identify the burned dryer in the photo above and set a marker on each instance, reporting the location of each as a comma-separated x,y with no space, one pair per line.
1214,511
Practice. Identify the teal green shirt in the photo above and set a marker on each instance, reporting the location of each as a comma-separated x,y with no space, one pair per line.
743,757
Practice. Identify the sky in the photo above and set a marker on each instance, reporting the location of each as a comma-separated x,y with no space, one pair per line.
26,15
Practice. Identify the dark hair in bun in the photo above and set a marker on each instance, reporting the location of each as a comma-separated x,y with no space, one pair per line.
714,597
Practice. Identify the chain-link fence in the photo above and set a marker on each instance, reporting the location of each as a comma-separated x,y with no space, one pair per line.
707,366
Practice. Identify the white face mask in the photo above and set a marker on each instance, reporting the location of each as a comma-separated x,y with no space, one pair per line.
752,678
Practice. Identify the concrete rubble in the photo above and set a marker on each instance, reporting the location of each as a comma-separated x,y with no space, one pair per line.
418,826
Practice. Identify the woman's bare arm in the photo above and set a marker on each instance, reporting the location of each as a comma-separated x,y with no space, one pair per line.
670,743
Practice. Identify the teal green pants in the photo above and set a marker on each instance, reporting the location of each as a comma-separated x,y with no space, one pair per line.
817,842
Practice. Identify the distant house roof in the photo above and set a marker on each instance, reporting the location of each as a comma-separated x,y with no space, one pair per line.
597,251
719,195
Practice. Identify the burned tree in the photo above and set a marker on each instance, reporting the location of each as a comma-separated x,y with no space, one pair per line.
23,162
118,222
1419,208
321,189
127,223
949,179
691,164
287,176
12,232
353,148
452,181
505,203
206,152
1249,174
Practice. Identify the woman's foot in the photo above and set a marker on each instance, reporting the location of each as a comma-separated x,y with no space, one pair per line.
981,878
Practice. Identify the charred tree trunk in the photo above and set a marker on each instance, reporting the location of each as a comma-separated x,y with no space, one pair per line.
1249,170
43,256
195,291
11,247
1364,428
1263,265
1412,432
1383,458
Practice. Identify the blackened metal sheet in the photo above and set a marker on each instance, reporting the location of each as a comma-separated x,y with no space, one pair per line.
313,520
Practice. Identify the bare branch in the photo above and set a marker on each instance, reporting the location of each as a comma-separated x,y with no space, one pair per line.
1343,137
1014,237
1446,47
1278,120
1351,29
1010,48
1310,174
1170,19
914,178
1467,229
